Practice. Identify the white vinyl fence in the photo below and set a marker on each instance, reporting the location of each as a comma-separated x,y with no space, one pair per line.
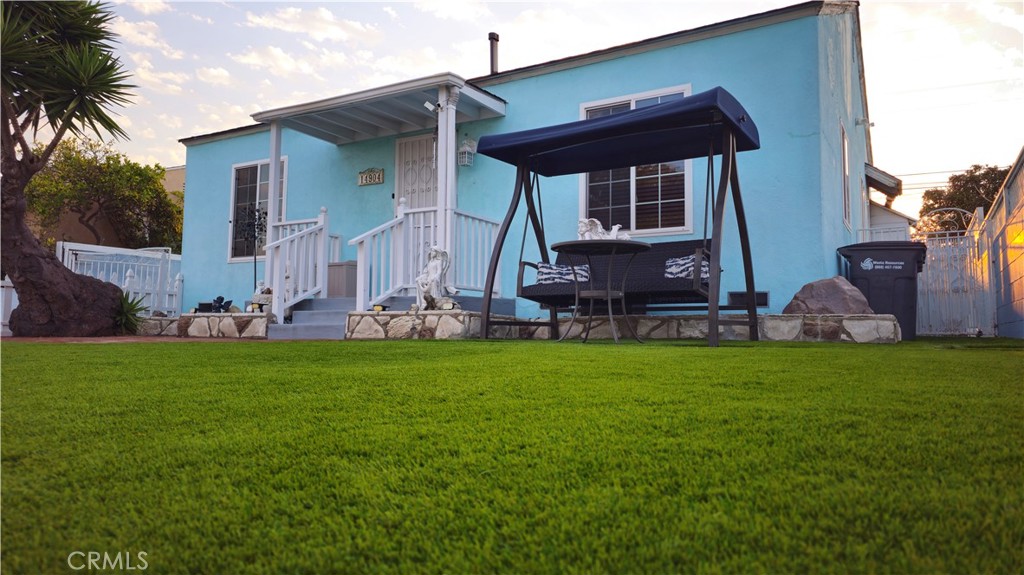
8,301
154,274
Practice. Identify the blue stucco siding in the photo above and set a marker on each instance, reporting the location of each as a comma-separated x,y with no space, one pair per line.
773,71
207,211
841,101
315,177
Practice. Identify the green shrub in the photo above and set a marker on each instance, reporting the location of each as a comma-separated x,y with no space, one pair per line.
128,317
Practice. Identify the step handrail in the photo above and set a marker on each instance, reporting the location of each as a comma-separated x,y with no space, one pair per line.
297,264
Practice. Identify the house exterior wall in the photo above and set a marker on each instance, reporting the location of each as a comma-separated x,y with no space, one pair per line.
794,80
799,79
1005,226
841,102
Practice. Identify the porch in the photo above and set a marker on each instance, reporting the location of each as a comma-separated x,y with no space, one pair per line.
422,117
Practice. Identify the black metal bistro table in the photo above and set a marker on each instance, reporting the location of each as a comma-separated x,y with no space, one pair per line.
609,293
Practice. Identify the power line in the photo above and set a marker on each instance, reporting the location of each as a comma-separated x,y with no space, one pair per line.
943,172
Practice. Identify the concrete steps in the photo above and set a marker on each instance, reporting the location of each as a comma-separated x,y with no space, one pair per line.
325,318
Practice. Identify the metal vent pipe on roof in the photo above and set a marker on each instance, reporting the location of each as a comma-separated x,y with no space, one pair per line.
493,37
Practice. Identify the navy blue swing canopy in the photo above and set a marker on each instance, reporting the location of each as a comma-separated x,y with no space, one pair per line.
702,125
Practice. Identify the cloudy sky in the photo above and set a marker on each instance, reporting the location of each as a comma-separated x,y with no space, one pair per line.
945,80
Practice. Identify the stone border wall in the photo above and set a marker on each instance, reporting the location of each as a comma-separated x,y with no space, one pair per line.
228,325
159,326
460,324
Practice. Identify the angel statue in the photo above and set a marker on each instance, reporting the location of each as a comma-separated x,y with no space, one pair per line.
430,288
591,229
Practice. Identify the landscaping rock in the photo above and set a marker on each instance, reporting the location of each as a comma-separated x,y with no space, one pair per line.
830,296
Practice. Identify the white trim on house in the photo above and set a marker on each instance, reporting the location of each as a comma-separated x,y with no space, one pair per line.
270,191
223,135
847,198
687,228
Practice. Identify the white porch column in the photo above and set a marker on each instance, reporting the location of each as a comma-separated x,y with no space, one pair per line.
448,97
273,200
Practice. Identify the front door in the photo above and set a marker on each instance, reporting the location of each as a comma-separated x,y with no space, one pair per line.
416,179
416,182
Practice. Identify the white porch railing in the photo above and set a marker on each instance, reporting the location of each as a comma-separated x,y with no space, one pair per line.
885,234
473,242
296,263
153,274
391,255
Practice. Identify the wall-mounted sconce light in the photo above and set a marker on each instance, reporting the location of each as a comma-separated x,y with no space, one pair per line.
466,152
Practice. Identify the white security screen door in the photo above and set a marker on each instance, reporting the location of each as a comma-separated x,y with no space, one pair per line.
416,174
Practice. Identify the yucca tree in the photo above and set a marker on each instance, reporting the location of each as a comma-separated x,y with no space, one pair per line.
59,76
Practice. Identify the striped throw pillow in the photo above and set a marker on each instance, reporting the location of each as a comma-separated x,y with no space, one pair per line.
682,268
559,274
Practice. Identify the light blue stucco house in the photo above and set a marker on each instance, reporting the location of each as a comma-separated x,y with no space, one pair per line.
393,167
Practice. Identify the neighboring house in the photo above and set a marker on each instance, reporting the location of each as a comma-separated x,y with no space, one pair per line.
69,228
386,165
886,224
174,183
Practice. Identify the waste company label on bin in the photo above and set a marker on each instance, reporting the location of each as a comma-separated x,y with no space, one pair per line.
869,264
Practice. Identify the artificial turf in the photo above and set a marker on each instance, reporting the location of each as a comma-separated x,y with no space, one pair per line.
515,457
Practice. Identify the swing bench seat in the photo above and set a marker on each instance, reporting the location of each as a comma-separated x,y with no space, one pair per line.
708,124
647,287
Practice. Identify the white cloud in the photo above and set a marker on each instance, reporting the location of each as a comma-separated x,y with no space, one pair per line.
391,12
150,6
458,10
319,24
169,121
162,82
216,76
145,34
215,117
276,61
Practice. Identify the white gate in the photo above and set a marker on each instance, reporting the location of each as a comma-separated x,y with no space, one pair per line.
954,291
153,274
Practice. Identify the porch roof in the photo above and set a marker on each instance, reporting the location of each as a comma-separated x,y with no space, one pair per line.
386,111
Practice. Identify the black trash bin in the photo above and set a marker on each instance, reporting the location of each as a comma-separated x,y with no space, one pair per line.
886,273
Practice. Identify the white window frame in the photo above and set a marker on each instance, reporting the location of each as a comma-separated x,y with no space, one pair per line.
845,159
687,227
231,205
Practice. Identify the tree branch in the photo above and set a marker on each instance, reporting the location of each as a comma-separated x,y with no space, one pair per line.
16,136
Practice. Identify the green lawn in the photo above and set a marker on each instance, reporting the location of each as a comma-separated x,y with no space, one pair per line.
515,457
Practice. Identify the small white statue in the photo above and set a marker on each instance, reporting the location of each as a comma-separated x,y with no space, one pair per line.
430,288
591,229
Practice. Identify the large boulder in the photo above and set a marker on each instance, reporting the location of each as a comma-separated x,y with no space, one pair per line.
830,296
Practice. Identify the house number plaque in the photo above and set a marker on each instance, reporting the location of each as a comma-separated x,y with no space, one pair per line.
371,177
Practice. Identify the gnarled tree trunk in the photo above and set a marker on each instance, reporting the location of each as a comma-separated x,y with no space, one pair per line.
52,300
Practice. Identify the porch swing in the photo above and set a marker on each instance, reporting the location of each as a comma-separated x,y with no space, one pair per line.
711,123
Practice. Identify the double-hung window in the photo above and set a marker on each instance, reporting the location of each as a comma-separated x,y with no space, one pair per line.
645,199
250,193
